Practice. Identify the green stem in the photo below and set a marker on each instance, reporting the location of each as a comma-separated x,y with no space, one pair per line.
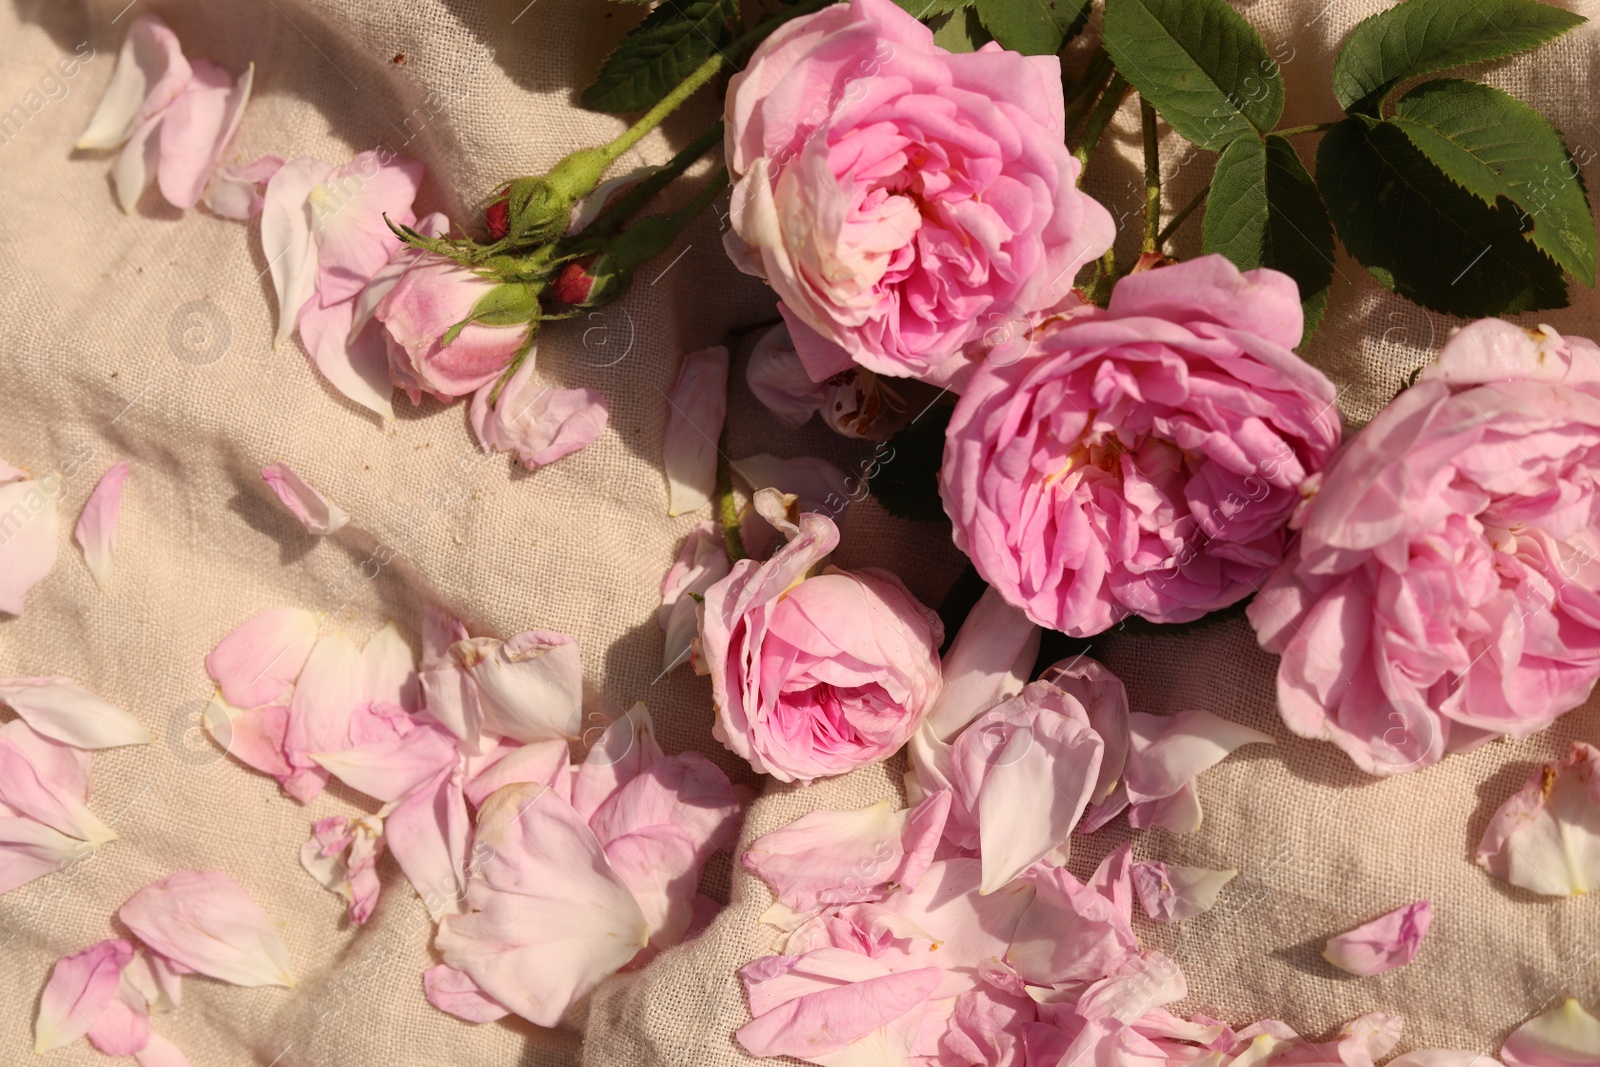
1182,216
1317,127
1152,177
1100,118
727,509
666,106
1087,87
1105,276
623,208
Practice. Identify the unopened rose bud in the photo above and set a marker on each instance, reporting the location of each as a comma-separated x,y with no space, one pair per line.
589,281
497,217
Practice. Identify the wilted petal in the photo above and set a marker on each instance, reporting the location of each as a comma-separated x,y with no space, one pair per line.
79,988
135,166
429,834
235,188
550,918
540,423
626,749
830,857
150,73
208,923
1074,932
258,662
197,128
316,512
779,380
697,406
1171,893
1143,984
1546,837
96,531
530,687
358,367
452,991
286,238
971,928
588,209
342,854
1567,1036
390,770
64,711
1166,754
701,563
28,529
1383,944
989,661
658,865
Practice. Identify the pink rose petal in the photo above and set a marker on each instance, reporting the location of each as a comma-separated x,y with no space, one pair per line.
77,992
696,407
1171,893
258,662
96,531
454,992
1546,836
149,75
64,711
539,423
196,130
206,922
1383,944
316,513
1567,1036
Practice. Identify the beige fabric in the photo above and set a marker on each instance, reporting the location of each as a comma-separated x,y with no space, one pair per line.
114,346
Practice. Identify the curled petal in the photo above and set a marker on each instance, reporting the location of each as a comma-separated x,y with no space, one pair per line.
1166,754
64,711
1567,1036
818,484
545,763
206,922
286,237
150,73
1383,944
831,857
316,512
235,188
78,990
258,662
1443,1057
626,749
686,791
659,868
325,695
1546,837
989,661
452,991
529,687
814,1005
539,423
1074,932
701,563
197,128
697,406
1105,701
96,531
357,366
156,979
348,208
342,854
779,380
1172,893
28,526
429,834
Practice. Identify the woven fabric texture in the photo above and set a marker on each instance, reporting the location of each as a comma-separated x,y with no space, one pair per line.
147,337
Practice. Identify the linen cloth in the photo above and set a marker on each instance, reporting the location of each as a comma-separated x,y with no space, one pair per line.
147,337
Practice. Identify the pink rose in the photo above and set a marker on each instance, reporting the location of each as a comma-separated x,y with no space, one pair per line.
1143,459
816,674
1443,589
901,199
433,295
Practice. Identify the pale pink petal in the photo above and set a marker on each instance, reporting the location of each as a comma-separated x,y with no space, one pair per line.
135,166
1546,837
588,209
440,630
25,790
30,849
697,406
1143,984
549,917
358,367
687,791
389,670
452,991
539,423
1440,1057
348,208
78,990
342,855
813,1005
529,687
389,275
779,380
150,73
161,1053
64,711
316,512
1167,753
1105,700
924,830
819,485
390,770
970,928
429,834
28,529
828,858
206,922
626,749
96,531
254,737
258,662
1171,893
197,128
1567,1036
123,1028
64,765
155,979
658,865
990,660
286,238
1383,944
1074,932
542,762
701,563
327,691
235,191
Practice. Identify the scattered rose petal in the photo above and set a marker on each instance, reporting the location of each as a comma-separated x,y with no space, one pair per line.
1567,1036
197,128
235,191
161,1053
319,515
1383,944
96,531
429,832
539,423
392,769
342,855
28,528
1165,756
64,711
78,990
123,1028
623,751
29,791
528,688
149,75
1074,932
701,563
1546,837
258,662
1439,1057
1171,893
206,922
452,991
697,406
156,979
30,849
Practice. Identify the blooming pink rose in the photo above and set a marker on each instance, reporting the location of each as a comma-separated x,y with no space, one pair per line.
432,296
1143,459
816,675
1444,587
902,199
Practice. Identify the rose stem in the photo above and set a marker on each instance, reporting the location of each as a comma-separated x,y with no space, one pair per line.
1100,118
1182,216
1152,176
727,509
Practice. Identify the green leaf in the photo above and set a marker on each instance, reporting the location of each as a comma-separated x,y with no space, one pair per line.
507,304
1422,36
1032,27
907,484
1494,145
927,9
1200,63
661,51
959,31
1264,211
1422,235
